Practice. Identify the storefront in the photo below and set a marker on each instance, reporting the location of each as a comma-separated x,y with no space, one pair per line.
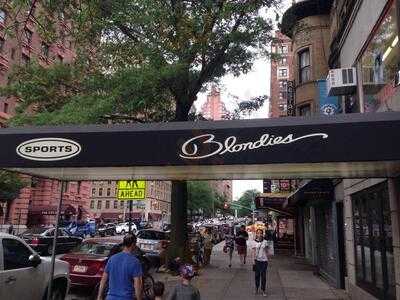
379,64
373,241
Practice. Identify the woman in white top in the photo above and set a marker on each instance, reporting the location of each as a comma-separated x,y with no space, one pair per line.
261,252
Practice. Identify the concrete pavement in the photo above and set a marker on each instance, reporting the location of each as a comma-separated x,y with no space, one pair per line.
288,278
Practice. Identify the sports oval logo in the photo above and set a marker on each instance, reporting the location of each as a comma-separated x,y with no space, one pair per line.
48,149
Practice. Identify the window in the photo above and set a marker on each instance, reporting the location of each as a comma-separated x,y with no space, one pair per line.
28,36
115,204
282,96
380,64
25,59
121,204
284,49
65,187
282,72
305,110
5,108
45,50
79,187
304,66
373,241
16,255
92,204
283,85
3,16
108,191
99,204
109,182
93,191
107,203
100,192
283,61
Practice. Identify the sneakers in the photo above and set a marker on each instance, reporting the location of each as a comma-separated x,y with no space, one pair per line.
264,293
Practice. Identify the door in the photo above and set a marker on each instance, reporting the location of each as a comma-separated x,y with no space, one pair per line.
19,279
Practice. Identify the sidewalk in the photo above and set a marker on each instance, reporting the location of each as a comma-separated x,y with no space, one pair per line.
288,278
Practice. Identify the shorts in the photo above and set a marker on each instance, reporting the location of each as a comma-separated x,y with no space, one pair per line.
241,249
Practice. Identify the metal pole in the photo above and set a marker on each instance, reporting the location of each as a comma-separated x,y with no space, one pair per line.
130,216
53,255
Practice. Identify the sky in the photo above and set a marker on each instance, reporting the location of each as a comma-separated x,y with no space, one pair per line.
254,83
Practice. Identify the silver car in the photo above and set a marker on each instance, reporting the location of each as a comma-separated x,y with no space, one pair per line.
25,275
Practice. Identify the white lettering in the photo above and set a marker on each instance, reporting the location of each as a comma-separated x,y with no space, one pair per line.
190,149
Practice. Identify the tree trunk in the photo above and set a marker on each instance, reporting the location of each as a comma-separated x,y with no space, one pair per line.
179,235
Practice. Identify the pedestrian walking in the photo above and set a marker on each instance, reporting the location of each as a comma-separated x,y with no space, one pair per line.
11,229
123,273
158,289
229,244
185,290
241,243
208,245
261,253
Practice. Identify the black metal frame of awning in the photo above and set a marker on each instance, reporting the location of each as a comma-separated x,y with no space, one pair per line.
342,146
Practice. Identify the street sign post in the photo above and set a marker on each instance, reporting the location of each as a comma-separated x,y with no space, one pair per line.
129,190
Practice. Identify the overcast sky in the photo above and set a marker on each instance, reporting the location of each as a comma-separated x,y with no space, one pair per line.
246,86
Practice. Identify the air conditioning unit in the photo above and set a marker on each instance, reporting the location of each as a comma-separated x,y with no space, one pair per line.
341,81
373,79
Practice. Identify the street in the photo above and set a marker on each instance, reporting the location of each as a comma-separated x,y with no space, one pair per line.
288,278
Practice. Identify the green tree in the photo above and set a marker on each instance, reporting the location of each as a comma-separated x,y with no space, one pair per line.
201,198
140,60
246,201
10,187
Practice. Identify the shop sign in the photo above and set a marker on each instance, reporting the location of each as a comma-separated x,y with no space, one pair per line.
131,189
291,109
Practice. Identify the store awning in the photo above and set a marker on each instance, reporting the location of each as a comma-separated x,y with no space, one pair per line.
311,190
274,202
51,210
341,146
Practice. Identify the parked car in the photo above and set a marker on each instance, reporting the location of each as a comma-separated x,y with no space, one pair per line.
107,229
152,243
144,225
87,262
41,240
123,228
25,275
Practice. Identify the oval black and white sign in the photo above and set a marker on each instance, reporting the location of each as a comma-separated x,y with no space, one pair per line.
48,149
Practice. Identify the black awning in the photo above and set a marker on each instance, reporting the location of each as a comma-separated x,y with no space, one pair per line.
342,146
311,190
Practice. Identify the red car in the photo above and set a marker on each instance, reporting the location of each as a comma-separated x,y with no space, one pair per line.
88,260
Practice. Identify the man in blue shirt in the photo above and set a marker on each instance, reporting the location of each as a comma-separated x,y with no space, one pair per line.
123,273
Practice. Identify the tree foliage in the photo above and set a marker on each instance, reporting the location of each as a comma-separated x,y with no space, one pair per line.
247,200
10,187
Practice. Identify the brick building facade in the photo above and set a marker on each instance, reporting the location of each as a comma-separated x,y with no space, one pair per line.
38,201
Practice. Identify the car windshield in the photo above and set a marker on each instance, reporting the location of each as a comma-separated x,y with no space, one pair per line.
35,231
152,235
94,248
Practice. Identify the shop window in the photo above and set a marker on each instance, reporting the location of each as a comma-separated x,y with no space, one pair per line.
380,65
304,66
305,110
92,204
373,241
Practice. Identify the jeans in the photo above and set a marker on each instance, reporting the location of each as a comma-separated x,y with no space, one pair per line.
261,274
